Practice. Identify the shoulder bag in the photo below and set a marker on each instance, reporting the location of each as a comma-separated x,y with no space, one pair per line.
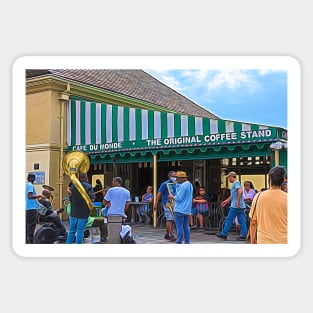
248,234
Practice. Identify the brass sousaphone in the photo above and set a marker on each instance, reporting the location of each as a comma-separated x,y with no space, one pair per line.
73,163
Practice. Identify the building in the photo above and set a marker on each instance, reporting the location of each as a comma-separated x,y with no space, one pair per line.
132,125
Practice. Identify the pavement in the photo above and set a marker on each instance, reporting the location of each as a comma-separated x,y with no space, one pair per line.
147,234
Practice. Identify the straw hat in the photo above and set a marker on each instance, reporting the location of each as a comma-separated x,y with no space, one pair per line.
180,174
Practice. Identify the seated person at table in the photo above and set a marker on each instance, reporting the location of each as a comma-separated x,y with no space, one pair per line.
147,197
51,215
202,205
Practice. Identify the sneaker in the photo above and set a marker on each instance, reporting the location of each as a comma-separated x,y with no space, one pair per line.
221,236
167,236
103,240
193,227
241,238
200,230
172,238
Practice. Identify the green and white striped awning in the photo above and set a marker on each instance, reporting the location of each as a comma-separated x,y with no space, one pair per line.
104,128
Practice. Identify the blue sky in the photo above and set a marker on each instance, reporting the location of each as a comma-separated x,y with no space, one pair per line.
255,96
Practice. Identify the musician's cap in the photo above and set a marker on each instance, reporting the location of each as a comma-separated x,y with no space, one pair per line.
180,174
232,174
118,180
46,192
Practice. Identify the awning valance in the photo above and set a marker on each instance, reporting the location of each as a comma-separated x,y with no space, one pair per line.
99,128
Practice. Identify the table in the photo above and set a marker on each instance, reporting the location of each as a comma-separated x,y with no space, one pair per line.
133,205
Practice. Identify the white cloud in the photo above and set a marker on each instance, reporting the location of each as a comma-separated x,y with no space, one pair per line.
198,76
172,82
167,78
232,80
266,72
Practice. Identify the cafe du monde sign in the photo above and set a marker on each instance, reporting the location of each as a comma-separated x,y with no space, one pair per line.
261,135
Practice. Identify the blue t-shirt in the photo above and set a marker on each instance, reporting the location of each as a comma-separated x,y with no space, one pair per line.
31,204
163,189
234,194
147,197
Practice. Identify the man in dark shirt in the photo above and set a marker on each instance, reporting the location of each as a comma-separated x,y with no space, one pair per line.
79,210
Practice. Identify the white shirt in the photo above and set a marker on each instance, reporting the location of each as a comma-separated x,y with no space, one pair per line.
118,196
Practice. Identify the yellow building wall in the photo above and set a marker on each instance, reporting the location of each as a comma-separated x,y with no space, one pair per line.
259,181
38,118
43,140
43,159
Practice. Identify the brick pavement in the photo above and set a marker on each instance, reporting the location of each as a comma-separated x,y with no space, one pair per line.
146,234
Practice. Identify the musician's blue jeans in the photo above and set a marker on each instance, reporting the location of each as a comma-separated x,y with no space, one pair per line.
182,227
77,226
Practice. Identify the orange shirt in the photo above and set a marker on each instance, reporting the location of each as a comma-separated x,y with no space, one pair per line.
271,216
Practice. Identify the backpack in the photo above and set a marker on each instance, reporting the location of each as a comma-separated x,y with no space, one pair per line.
47,233
128,239
126,236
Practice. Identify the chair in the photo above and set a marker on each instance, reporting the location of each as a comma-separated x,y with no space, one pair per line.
92,232
143,212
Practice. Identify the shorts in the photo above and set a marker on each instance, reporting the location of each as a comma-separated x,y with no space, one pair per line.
194,211
167,213
203,209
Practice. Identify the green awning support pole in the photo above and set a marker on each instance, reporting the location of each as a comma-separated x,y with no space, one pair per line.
155,176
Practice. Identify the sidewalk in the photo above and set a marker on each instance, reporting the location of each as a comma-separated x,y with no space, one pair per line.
146,234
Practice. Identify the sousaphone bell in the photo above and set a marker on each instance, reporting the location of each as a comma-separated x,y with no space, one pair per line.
73,163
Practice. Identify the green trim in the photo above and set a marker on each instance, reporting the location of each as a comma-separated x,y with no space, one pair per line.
237,127
126,124
211,153
199,153
138,124
82,123
177,126
163,125
73,121
103,118
114,123
206,125
93,122
191,125
221,126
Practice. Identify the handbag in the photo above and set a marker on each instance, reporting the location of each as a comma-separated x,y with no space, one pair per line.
248,233
41,209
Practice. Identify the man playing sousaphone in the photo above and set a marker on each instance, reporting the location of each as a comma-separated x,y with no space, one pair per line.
166,188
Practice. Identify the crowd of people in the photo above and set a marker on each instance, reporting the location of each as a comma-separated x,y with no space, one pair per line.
182,204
